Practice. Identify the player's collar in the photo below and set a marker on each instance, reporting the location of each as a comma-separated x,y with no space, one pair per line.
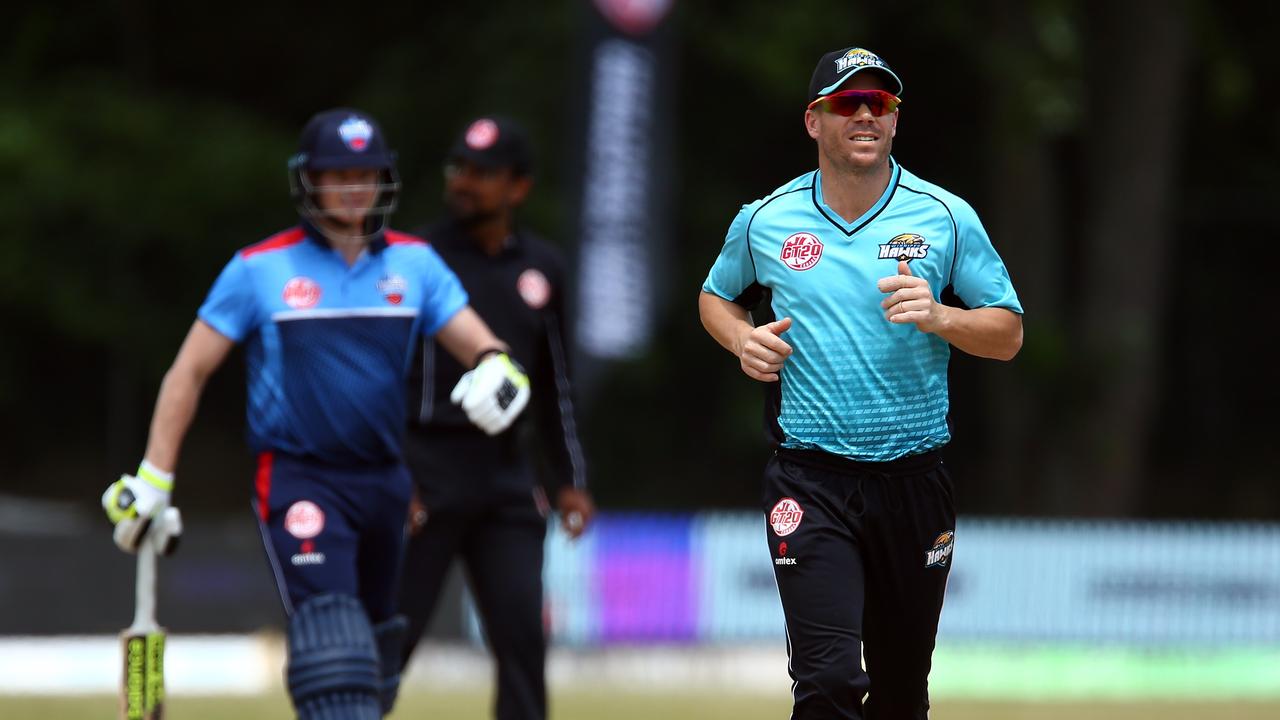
849,228
376,245
457,234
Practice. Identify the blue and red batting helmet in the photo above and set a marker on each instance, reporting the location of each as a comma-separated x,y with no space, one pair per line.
342,139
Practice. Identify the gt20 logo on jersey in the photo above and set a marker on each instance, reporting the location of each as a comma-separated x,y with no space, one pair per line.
907,246
801,251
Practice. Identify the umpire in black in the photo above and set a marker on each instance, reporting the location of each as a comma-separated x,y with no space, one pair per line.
478,496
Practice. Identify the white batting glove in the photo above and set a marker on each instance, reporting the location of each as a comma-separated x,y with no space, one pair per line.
134,501
493,394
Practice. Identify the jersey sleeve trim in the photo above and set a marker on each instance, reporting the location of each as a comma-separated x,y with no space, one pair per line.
279,241
747,233
955,227
751,296
219,327
446,316
395,237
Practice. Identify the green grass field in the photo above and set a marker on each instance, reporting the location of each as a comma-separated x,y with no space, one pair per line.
631,706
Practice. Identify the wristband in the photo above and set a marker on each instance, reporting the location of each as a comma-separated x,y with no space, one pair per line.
155,477
486,353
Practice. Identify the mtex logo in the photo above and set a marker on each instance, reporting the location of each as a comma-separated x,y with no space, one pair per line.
782,558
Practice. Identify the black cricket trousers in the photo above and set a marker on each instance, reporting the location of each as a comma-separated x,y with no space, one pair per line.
861,553
489,516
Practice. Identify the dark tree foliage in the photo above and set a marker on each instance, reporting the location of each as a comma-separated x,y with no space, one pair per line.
1124,158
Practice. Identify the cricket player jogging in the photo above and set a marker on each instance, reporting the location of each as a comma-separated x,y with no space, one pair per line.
851,260
329,312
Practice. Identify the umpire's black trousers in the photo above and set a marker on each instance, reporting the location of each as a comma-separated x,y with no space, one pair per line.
861,553
493,520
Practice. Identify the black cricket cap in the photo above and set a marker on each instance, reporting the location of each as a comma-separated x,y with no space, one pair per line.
342,138
838,66
494,141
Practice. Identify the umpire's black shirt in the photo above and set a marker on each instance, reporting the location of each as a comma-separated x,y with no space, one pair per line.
520,294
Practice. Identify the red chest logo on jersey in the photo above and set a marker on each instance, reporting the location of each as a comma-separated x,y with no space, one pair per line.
801,251
301,293
534,288
785,517
304,520
393,288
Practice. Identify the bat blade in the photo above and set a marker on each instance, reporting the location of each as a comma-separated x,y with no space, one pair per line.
142,685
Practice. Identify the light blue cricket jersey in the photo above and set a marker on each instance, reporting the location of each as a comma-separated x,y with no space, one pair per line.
327,344
857,385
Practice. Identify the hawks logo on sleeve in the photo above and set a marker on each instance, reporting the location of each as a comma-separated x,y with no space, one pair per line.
907,246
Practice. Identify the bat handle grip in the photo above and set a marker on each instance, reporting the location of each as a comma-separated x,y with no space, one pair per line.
144,614
166,527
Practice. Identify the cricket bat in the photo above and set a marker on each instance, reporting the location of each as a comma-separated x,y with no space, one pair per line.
142,684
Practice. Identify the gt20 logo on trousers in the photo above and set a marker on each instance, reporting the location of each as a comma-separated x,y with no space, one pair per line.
785,516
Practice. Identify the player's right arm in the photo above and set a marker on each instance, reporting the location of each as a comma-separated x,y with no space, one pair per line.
134,501
201,354
760,350
227,315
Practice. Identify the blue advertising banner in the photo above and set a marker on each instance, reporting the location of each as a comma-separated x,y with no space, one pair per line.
708,578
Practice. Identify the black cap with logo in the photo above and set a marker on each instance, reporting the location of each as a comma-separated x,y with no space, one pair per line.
838,66
494,141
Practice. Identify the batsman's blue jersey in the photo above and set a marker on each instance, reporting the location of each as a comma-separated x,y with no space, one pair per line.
857,385
327,343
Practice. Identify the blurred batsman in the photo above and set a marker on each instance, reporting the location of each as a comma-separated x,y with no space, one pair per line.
479,498
845,267
329,312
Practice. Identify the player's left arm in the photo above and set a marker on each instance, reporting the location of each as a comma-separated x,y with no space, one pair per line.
466,335
496,390
974,270
989,332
